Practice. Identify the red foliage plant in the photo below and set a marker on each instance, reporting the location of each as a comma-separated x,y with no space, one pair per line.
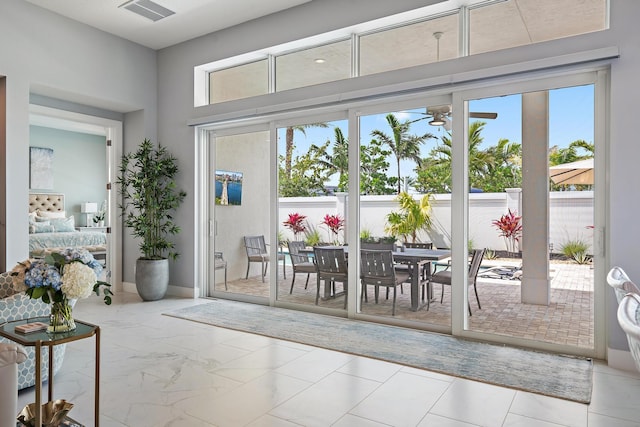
296,223
333,222
510,227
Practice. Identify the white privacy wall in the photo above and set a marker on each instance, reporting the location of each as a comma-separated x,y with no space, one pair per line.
571,214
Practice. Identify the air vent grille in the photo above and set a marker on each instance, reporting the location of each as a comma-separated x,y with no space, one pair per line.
148,9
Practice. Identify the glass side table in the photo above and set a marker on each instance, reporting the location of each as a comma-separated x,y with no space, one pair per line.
43,338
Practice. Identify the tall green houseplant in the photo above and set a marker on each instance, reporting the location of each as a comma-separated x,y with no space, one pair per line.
147,184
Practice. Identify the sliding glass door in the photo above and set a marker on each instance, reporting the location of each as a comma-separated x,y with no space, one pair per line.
537,281
239,225
313,175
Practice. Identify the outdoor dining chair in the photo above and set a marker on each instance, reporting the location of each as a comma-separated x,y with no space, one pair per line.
444,277
331,266
300,262
256,248
220,263
377,269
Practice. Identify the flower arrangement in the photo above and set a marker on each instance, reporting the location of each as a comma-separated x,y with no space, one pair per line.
296,223
334,224
60,278
510,228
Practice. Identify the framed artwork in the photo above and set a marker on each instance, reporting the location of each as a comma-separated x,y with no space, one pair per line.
40,168
228,188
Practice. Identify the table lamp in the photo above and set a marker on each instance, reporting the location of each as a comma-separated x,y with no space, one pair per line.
89,208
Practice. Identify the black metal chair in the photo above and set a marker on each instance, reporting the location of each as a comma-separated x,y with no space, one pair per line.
444,277
331,266
256,248
377,269
300,262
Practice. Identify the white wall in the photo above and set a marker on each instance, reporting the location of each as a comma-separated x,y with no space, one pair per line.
244,153
571,216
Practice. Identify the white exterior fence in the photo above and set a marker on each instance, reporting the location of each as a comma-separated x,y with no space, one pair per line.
571,216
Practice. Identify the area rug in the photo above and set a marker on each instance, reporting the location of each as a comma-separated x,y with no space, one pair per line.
565,377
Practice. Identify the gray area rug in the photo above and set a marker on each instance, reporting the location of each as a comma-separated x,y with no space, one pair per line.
565,377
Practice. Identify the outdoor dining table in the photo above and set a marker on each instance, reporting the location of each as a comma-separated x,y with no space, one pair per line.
413,257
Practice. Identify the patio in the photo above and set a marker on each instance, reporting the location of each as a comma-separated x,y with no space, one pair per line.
568,319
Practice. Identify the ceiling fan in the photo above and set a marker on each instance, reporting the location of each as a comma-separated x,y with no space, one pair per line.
441,116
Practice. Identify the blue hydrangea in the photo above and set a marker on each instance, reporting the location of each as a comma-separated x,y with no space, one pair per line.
42,274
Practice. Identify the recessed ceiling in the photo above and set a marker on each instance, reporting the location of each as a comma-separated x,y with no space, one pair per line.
192,18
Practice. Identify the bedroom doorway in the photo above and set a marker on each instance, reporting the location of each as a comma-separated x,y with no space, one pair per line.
100,150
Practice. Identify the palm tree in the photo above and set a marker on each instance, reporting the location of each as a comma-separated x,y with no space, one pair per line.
289,144
338,161
478,159
413,217
403,145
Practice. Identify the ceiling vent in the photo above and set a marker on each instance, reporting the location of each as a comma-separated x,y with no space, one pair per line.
148,9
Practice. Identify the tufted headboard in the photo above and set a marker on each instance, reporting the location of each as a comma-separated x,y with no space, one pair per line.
50,202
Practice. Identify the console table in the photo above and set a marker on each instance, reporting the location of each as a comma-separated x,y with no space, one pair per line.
43,338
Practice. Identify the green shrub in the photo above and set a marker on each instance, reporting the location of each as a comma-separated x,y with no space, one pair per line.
576,250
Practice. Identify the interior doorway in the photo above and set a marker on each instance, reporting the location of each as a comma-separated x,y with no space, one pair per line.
111,130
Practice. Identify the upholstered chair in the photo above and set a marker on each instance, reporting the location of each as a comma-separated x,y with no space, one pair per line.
10,356
16,305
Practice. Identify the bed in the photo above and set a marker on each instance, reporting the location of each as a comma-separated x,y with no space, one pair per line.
52,228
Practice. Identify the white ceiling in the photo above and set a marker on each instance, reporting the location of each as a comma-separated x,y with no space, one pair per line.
192,18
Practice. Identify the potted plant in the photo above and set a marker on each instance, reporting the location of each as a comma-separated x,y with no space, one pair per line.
149,197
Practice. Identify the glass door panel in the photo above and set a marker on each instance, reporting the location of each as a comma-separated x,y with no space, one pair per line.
404,205
239,183
312,210
536,280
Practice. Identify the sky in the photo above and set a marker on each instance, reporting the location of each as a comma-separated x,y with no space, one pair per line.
571,117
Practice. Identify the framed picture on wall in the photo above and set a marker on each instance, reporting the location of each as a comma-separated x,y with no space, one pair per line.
228,187
40,168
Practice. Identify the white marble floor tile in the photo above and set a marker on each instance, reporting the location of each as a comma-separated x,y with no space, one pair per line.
597,420
246,403
615,396
371,369
326,401
515,420
315,365
432,420
271,421
259,362
403,400
549,409
475,403
350,420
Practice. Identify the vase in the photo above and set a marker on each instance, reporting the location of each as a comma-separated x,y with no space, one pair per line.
61,318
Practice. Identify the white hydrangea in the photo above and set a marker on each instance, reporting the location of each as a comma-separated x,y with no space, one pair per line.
78,280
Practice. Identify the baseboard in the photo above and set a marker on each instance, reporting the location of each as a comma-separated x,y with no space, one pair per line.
620,359
174,291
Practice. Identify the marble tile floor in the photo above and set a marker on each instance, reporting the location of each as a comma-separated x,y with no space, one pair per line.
162,371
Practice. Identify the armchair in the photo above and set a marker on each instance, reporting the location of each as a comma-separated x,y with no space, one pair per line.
16,305
10,356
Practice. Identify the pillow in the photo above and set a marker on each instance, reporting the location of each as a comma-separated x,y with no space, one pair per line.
32,217
63,225
47,214
41,227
